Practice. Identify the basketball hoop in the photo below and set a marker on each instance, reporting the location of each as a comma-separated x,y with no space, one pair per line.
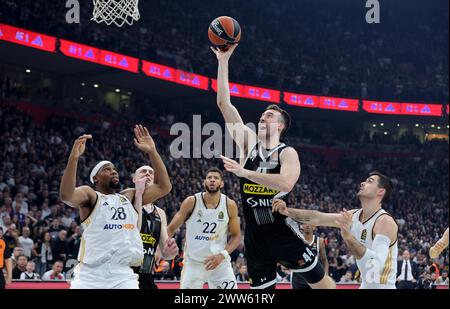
118,12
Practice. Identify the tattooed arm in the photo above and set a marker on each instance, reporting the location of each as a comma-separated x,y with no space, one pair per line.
312,217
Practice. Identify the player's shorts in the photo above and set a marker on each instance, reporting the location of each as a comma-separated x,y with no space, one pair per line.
267,245
298,282
194,276
104,276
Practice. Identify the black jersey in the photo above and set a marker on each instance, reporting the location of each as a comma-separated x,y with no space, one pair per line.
257,199
150,234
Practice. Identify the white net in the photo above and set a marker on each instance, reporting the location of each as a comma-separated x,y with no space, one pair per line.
118,12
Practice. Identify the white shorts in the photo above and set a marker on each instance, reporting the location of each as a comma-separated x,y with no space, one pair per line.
104,276
194,275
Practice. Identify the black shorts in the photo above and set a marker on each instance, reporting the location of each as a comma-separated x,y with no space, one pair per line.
298,282
267,245
146,281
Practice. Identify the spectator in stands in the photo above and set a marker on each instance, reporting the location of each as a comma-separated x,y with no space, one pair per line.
425,282
443,279
17,251
55,226
60,246
242,275
20,206
407,272
55,273
74,242
44,253
347,278
67,220
164,272
21,266
29,274
337,267
26,242
5,221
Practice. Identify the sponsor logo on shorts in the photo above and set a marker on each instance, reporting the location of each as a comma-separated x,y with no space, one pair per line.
148,239
113,226
259,189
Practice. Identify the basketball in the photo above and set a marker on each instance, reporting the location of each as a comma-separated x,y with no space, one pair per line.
224,31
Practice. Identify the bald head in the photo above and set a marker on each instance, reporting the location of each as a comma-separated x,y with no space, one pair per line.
144,171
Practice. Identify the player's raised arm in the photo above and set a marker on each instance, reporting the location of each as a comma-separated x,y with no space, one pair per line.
312,217
161,186
140,187
244,137
68,192
234,227
181,216
168,246
284,181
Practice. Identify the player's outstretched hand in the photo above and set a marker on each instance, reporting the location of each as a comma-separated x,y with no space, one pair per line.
280,206
79,146
224,55
232,166
143,140
344,221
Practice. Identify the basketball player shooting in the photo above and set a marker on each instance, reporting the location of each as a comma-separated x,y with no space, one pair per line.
370,233
111,242
268,169
209,216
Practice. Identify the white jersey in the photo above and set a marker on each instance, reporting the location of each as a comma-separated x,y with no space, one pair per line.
363,232
206,230
111,234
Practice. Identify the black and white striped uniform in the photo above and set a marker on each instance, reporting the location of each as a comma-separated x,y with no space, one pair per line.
272,238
